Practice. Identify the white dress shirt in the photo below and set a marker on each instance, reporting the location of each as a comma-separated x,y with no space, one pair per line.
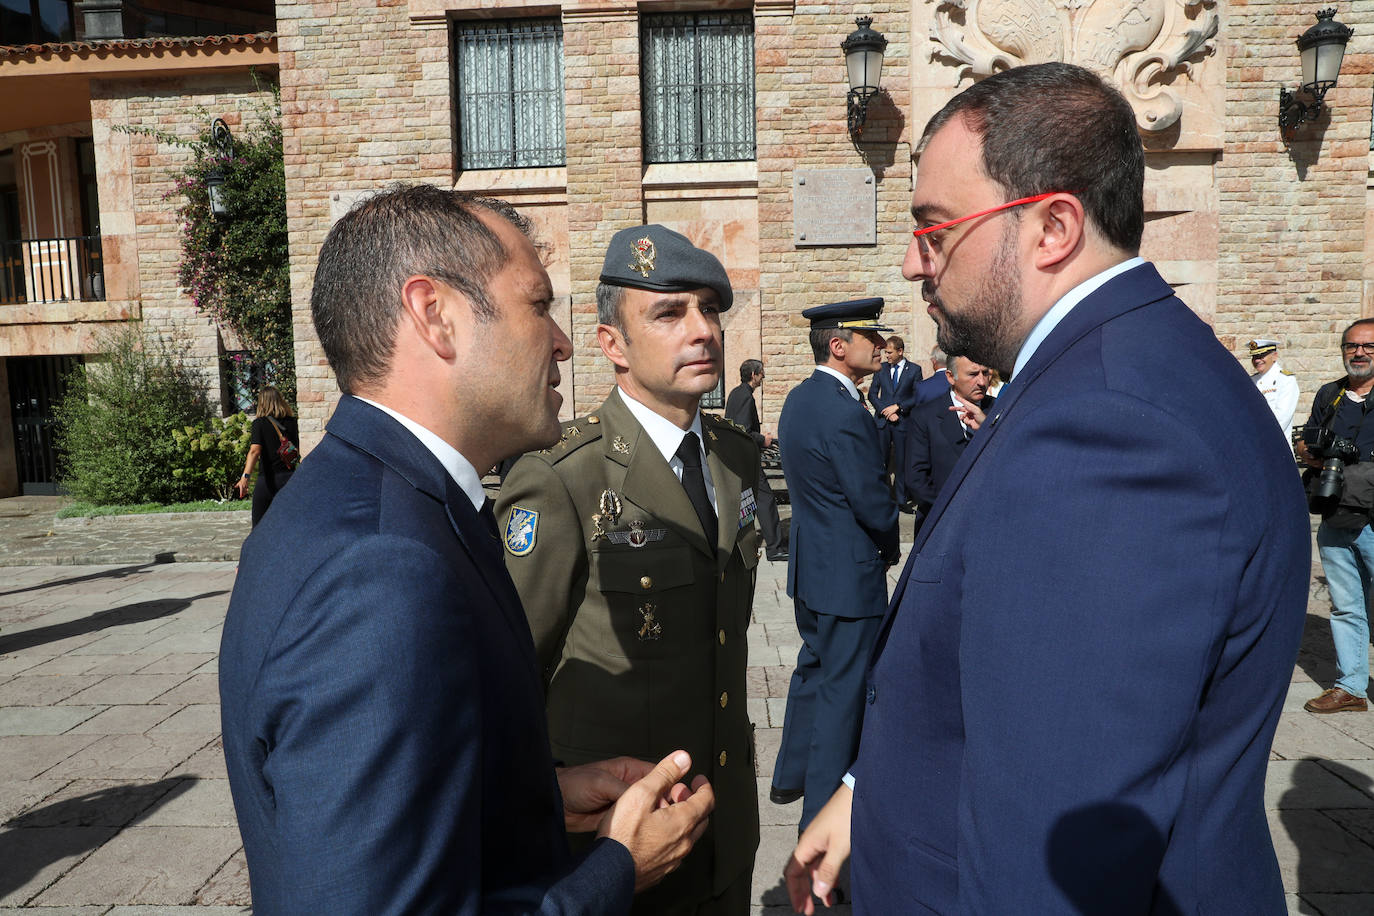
667,438
458,467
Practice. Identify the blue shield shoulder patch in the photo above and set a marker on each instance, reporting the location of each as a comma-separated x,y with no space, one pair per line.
521,527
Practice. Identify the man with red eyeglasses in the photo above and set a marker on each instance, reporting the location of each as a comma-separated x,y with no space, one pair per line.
1080,721
1345,541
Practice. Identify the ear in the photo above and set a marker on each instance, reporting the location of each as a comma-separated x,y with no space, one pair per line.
612,342
430,311
837,348
1062,227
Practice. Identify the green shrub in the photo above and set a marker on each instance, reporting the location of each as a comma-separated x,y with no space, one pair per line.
116,424
213,454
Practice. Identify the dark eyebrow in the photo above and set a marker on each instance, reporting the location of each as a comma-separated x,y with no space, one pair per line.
928,213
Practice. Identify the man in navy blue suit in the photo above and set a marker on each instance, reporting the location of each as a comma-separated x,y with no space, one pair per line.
1079,721
844,537
383,714
893,395
939,430
937,385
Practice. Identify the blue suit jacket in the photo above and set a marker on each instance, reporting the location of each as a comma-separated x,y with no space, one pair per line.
928,389
1078,720
934,441
882,393
382,708
844,520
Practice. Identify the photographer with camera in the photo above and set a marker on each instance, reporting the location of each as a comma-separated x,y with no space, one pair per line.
1338,447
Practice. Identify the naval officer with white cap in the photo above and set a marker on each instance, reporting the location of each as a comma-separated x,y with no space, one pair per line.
1277,384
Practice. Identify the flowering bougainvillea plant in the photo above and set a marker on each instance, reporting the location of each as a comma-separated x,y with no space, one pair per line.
235,267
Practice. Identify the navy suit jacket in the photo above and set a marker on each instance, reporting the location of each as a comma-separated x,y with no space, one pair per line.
934,441
928,389
844,520
382,709
882,393
1078,718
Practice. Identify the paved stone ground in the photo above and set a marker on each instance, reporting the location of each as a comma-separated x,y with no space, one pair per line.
113,797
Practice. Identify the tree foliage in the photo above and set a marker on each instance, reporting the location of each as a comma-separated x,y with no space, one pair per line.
116,424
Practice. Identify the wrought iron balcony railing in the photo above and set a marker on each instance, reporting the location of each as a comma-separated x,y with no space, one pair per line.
52,270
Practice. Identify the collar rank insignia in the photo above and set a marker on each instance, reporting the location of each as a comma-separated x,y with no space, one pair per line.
620,445
637,536
644,256
521,527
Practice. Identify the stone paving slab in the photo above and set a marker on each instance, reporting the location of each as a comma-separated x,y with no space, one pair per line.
113,792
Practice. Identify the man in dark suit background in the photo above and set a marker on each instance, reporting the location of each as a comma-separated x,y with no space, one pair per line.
928,389
382,708
1080,721
938,430
741,409
893,395
844,536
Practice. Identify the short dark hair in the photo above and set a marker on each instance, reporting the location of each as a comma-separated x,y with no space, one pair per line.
399,232
895,341
1353,325
1058,127
748,369
608,299
820,341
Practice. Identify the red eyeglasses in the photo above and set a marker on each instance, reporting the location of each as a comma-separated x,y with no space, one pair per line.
1006,206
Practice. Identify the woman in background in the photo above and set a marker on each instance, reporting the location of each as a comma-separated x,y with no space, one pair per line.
275,420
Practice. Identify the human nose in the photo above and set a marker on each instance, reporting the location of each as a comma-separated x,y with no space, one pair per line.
562,346
916,264
699,324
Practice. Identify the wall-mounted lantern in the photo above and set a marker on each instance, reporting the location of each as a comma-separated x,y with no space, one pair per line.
1322,48
863,57
223,144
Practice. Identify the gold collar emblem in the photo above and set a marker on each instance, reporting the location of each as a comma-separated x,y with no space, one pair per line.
620,445
644,256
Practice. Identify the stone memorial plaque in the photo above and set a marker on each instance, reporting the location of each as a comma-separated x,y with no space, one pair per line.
834,207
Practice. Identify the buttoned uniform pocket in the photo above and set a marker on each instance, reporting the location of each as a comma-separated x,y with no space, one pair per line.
645,590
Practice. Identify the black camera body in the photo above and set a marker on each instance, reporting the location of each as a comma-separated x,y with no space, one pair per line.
1335,452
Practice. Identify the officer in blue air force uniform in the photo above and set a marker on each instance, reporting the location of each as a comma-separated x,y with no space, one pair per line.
844,536
633,545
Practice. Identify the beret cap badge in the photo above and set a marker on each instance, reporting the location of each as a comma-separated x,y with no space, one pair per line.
644,255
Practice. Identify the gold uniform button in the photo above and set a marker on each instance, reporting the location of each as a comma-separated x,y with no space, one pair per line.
724,698
722,758
721,636
593,419
646,582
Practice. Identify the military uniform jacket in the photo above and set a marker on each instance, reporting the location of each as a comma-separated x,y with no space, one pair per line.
638,623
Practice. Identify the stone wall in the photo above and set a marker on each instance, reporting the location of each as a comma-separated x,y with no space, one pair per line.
1295,219
364,102
1258,237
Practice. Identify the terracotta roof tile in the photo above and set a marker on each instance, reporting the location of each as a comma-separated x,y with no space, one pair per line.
117,47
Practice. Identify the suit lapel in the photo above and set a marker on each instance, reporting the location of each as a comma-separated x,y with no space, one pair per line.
379,435
728,486
649,482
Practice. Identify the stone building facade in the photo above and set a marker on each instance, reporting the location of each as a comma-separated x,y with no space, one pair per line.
88,231
1261,237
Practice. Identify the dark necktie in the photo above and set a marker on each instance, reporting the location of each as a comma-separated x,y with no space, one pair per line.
694,482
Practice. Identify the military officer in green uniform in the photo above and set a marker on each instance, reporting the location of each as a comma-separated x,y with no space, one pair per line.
633,545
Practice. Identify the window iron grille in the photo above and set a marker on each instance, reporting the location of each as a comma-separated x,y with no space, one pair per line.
509,79
697,84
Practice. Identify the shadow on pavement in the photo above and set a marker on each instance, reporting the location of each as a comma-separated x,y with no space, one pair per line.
130,613
120,573
1318,855
1317,653
76,826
